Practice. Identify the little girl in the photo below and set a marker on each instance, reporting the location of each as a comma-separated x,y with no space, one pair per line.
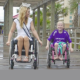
60,38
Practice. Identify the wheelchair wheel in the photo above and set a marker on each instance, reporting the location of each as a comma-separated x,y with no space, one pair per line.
49,62
68,63
68,59
63,60
11,51
36,61
54,61
49,56
12,64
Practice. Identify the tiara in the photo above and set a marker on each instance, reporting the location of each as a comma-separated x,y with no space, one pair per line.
25,5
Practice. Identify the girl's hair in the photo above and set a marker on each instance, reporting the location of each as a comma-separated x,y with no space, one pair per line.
61,22
22,14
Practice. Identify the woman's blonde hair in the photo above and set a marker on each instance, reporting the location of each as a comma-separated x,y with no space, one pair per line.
22,14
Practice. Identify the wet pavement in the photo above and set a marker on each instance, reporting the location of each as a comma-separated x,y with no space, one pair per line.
4,61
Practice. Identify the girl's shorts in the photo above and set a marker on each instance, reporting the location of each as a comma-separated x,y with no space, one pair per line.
60,47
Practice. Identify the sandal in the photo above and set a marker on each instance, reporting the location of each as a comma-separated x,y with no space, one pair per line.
19,58
25,59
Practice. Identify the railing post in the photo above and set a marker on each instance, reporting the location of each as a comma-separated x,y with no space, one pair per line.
75,40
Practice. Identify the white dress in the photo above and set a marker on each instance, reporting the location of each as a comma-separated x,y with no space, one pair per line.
20,31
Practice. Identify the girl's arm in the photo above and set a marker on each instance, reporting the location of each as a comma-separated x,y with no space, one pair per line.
70,42
71,49
70,45
48,40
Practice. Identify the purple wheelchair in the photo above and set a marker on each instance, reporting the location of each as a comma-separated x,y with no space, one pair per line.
51,54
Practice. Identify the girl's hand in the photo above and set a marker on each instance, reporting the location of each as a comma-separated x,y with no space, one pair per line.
71,49
47,47
8,43
40,42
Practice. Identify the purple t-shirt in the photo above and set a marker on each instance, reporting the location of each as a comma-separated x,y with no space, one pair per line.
59,37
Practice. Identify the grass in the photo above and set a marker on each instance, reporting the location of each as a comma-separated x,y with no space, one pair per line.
78,46
73,46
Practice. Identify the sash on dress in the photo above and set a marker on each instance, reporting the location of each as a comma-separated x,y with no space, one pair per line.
26,30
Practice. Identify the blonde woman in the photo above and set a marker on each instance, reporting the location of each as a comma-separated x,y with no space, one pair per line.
23,39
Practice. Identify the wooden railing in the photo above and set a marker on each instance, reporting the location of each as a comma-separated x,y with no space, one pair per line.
74,35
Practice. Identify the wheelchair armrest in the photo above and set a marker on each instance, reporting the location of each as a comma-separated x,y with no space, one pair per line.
52,41
15,41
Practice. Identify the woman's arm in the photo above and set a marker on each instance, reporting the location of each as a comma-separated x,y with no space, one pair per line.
35,33
13,27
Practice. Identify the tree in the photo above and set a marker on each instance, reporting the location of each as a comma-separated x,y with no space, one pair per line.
74,10
58,10
73,5
41,18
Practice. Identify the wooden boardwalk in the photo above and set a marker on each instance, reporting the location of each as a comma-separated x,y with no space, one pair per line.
74,64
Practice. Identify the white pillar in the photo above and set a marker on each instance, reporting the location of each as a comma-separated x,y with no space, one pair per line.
8,19
44,25
38,21
75,41
52,16
34,17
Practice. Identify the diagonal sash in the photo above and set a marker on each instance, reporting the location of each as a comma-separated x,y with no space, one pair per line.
26,30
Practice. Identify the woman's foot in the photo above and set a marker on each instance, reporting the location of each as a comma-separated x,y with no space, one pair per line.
25,59
60,57
19,58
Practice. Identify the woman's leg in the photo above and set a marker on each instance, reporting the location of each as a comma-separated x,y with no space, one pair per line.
26,46
20,45
63,49
56,47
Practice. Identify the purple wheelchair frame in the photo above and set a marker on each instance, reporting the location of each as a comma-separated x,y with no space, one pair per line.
53,52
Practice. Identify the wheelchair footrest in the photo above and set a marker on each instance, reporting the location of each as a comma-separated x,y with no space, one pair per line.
24,61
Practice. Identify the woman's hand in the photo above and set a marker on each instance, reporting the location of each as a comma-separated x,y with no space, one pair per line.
8,43
71,49
40,42
47,47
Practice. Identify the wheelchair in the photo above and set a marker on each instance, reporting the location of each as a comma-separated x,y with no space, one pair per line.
33,53
51,54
